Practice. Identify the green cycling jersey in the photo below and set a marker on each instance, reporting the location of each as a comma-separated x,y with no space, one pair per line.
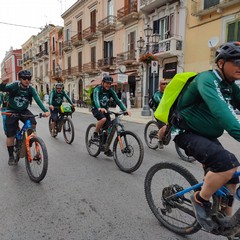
19,96
56,99
207,106
101,98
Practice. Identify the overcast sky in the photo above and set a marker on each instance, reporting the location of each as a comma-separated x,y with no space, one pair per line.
32,13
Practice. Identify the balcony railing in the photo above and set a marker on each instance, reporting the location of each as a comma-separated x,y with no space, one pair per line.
168,47
126,57
198,10
107,24
67,72
77,70
67,46
44,54
77,40
90,33
107,63
90,67
128,13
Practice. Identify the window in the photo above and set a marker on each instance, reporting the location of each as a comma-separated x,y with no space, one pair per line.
53,44
67,35
19,62
131,41
93,21
53,67
60,49
79,29
162,26
210,3
110,9
233,31
93,57
69,65
108,49
46,69
80,61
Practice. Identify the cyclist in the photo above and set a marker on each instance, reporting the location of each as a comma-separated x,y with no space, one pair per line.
20,94
100,104
206,110
55,101
157,98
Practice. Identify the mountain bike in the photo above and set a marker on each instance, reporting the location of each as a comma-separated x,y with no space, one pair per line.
168,187
127,146
63,123
31,147
151,139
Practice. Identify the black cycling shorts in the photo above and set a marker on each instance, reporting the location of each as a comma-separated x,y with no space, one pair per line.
12,122
99,115
54,113
209,152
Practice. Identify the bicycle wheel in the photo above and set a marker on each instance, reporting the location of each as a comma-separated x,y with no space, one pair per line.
93,147
162,182
181,153
150,134
37,167
68,130
50,128
128,152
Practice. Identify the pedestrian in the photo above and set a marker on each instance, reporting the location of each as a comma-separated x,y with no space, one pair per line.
124,98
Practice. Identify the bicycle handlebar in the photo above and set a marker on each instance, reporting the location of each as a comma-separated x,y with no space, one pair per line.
40,115
118,113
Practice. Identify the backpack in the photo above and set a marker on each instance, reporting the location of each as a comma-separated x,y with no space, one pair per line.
172,93
13,93
152,103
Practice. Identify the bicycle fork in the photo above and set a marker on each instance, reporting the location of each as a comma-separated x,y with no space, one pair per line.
28,139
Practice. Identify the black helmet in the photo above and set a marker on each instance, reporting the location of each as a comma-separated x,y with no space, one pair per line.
24,73
107,79
59,85
229,50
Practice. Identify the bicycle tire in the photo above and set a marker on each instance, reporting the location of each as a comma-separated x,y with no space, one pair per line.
50,129
95,150
167,179
183,155
70,129
150,135
37,168
128,152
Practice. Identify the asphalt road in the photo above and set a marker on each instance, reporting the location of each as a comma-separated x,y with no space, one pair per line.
84,198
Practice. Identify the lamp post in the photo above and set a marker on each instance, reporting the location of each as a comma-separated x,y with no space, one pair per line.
140,44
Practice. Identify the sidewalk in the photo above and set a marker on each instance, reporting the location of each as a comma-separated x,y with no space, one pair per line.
136,115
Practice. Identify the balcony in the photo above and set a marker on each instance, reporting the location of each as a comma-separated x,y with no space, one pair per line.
167,48
77,40
67,46
148,6
44,54
90,33
128,13
67,73
108,63
107,24
56,75
126,58
90,68
38,57
197,7
77,70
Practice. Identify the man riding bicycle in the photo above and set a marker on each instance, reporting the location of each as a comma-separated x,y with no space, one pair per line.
55,101
20,96
100,104
206,109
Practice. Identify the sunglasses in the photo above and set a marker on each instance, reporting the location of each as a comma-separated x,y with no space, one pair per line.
26,78
59,88
236,62
163,84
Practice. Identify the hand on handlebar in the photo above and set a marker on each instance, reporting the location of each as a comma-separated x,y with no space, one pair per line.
103,110
128,113
46,114
51,107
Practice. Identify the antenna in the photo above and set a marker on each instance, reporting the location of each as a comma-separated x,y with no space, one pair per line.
212,42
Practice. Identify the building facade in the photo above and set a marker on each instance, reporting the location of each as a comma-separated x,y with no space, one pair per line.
11,65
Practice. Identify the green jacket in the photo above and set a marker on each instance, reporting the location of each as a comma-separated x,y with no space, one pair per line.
19,97
101,98
207,107
56,98
157,96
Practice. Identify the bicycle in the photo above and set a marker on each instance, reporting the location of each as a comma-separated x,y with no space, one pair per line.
126,144
63,123
168,187
151,139
27,144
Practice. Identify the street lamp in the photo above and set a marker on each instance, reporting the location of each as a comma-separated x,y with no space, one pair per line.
140,44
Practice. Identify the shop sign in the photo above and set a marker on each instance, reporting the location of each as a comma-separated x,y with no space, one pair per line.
122,78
